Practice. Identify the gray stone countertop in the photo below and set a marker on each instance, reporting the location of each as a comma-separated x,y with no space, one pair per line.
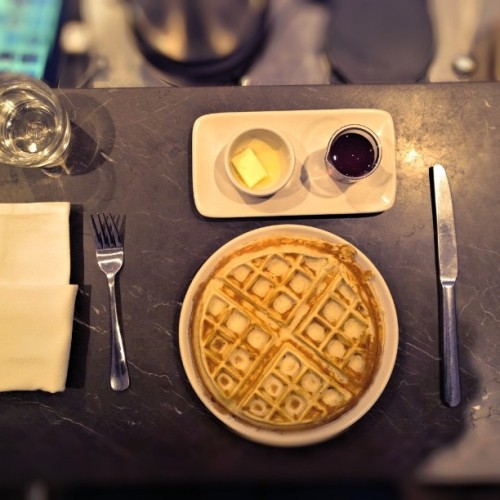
131,155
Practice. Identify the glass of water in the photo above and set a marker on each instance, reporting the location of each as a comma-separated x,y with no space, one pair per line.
34,128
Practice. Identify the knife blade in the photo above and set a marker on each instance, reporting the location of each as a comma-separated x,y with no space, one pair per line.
448,272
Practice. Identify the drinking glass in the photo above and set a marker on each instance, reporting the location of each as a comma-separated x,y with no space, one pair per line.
34,128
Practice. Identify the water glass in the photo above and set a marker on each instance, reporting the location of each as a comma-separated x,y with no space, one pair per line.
34,128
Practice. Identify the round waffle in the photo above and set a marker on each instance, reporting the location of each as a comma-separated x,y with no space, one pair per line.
283,334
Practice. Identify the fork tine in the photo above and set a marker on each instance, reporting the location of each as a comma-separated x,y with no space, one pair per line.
97,233
105,231
114,230
106,236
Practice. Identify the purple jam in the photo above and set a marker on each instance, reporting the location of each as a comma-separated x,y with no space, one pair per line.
352,154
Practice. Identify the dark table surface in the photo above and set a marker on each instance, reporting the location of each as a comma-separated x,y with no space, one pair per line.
131,155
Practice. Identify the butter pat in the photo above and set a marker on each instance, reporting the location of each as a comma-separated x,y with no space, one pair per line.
249,167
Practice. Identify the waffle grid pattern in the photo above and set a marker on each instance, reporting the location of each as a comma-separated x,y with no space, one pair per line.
286,340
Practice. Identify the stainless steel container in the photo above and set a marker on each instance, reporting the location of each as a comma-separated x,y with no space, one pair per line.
199,38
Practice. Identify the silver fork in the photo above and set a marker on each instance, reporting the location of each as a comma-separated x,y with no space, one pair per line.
109,253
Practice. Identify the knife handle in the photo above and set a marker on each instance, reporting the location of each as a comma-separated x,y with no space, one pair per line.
451,382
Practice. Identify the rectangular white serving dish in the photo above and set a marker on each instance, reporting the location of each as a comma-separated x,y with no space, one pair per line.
310,191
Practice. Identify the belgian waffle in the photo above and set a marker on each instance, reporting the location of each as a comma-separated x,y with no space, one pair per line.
286,333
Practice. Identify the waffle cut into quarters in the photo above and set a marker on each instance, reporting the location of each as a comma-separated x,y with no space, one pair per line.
287,333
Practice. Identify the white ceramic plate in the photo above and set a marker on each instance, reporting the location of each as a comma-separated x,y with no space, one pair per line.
368,399
310,191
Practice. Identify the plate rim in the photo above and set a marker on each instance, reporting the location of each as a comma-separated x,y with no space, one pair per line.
330,429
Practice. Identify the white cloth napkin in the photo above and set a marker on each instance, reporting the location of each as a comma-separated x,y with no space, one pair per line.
36,299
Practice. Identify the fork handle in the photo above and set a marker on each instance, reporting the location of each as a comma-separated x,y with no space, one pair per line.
119,377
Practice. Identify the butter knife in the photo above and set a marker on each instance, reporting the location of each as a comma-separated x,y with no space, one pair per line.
448,271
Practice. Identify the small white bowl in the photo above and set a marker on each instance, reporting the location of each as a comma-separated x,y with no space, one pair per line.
264,143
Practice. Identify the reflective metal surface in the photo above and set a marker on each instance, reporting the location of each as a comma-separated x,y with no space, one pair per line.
197,31
448,271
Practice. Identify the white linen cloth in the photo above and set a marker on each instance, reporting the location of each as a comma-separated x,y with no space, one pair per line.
36,299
